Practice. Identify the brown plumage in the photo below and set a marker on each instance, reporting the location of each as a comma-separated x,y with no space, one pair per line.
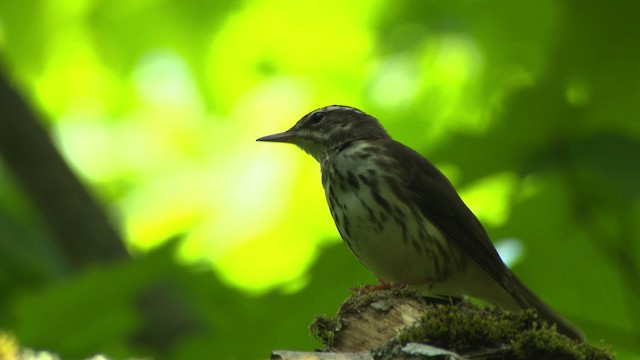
402,218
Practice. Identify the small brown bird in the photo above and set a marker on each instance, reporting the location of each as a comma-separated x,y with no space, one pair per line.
402,218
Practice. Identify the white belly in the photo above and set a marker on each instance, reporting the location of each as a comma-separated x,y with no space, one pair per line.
383,226
394,244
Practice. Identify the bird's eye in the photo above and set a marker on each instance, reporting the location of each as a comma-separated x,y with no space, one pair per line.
316,118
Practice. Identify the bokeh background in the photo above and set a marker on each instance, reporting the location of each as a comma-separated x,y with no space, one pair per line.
530,107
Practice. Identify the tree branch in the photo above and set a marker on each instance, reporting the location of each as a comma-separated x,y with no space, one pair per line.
78,225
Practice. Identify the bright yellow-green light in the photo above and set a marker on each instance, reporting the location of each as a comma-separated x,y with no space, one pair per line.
255,264
396,82
578,93
490,198
9,347
254,211
73,64
2,36
291,38
455,60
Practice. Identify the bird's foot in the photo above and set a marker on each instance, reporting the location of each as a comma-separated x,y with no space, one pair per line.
381,285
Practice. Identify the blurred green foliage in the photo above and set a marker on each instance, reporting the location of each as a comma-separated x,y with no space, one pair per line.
531,108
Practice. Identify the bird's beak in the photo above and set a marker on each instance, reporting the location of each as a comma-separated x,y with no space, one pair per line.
284,137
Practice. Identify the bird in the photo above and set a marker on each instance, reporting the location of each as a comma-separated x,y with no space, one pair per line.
402,218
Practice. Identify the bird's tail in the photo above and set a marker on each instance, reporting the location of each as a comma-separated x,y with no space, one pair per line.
529,300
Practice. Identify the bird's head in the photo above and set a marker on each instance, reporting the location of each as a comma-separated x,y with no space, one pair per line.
328,128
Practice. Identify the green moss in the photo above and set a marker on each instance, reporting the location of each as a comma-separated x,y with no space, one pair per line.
324,328
467,328
536,344
365,297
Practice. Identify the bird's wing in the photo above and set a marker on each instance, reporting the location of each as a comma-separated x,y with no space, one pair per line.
441,204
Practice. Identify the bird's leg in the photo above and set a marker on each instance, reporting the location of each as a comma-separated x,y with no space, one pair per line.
381,285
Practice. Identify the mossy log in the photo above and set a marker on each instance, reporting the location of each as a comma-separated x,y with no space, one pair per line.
402,324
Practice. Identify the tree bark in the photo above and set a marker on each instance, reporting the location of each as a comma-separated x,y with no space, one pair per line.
79,227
